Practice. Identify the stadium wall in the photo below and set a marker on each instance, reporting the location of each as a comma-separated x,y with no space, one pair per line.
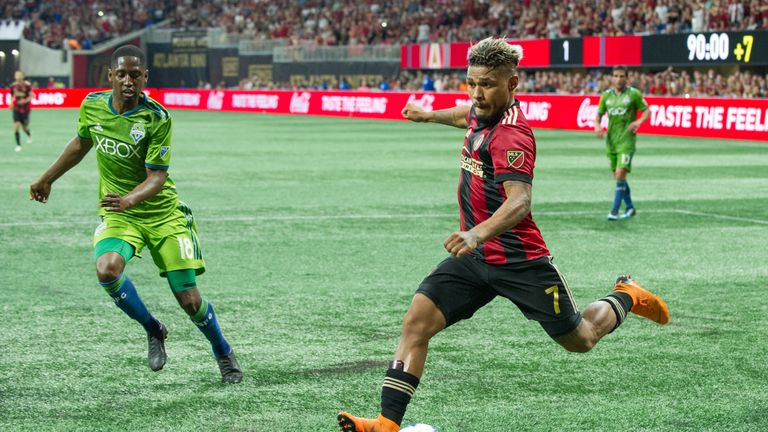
745,119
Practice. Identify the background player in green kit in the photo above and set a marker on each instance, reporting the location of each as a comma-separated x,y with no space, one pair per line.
139,205
622,103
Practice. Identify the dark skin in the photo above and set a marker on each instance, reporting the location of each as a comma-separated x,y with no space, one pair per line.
127,77
492,93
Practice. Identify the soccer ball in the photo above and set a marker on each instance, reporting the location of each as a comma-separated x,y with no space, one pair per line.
419,427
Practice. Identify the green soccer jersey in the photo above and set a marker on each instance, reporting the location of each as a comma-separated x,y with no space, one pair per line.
126,144
622,110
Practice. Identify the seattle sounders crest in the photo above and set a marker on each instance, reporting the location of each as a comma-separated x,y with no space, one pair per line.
137,132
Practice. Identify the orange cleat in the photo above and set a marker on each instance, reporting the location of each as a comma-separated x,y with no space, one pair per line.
644,302
350,423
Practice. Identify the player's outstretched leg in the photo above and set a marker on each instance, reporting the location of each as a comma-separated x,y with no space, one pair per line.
423,321
350,423
644,302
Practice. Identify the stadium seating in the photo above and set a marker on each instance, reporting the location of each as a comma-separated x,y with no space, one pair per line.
351,22
83,24
343,22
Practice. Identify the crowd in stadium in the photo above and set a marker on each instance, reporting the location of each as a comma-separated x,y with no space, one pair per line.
341,22
81,25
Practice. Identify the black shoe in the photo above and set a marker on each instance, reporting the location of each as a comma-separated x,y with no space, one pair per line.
230,369
156,354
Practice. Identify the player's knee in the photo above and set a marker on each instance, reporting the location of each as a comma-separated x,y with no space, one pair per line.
418,327
191,304
581,340
108,270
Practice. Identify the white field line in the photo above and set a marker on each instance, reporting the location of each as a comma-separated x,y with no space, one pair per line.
719,216
288,218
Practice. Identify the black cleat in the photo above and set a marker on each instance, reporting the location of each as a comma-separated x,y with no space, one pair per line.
156,353
230,369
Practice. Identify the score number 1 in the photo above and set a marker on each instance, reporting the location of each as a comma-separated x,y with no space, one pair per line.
566,45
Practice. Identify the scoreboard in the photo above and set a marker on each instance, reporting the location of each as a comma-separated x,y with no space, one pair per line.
685,49
743,48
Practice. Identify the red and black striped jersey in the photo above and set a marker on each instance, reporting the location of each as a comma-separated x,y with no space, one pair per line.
496,151
19,91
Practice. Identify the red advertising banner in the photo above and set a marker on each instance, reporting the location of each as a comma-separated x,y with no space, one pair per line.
454,55
380,105
689,117
60,98
708,118
52,98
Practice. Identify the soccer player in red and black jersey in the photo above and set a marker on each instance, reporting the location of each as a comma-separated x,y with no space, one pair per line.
498,250
21,95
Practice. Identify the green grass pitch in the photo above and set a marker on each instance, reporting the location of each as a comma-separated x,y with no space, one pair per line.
316,233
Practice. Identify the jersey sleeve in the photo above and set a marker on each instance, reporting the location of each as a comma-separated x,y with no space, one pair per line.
601,105
640,101
159,150
83,130
513,153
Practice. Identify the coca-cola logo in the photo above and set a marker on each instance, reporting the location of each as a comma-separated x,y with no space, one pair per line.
300,102
215,100
585,118
426,101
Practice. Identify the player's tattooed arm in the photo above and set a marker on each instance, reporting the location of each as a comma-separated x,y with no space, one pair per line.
456,116
148,188
73,153
512,211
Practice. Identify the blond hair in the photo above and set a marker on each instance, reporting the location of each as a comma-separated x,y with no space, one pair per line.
495,52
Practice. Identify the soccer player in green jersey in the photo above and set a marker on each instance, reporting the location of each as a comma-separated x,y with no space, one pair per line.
139,205
622,103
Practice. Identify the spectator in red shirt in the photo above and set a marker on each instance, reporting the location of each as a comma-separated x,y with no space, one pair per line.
658,88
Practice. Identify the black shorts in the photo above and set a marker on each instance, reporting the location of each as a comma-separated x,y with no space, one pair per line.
22,118
461,286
